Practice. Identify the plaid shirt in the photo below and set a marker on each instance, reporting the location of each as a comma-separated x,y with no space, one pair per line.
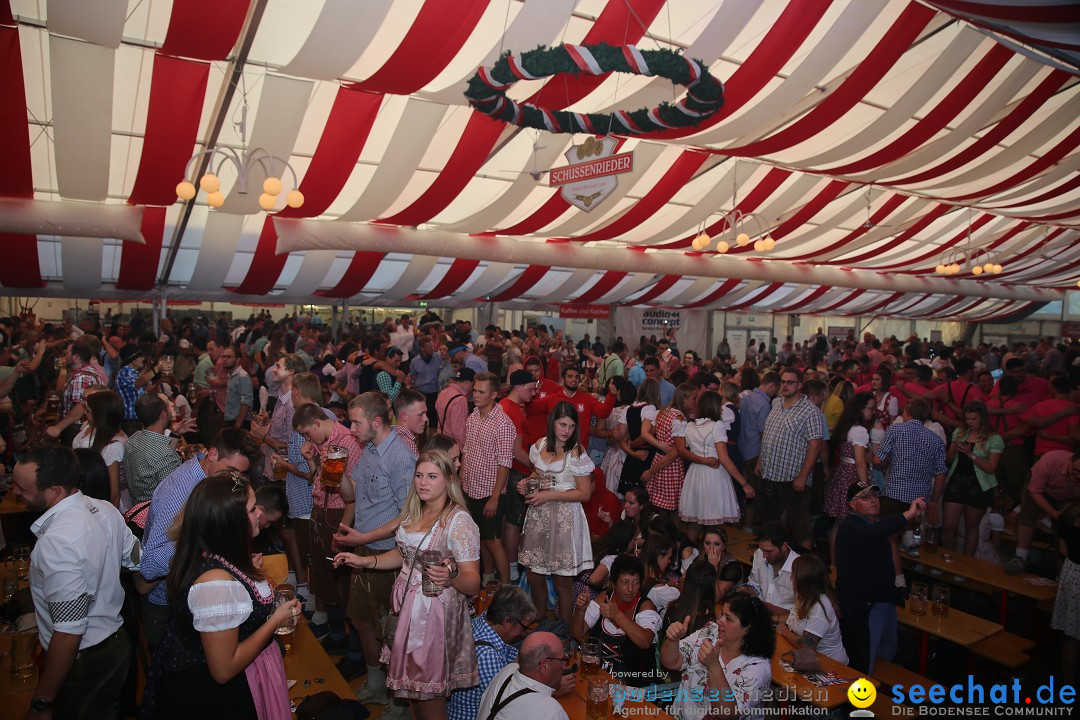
408,438
382,477
489,444
169,499
787,436
492,655
76,385
129,392
341,437
915,456
148,459
452,409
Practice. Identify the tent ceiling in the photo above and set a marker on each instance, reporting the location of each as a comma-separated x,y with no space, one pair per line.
871,136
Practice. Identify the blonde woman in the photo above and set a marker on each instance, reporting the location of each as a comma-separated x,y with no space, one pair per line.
429,647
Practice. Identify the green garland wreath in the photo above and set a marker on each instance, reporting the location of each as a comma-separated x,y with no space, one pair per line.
704,97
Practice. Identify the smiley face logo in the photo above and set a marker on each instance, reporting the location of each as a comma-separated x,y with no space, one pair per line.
862,693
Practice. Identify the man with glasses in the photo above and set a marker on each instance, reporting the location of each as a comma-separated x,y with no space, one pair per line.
505,621
790,443
523,690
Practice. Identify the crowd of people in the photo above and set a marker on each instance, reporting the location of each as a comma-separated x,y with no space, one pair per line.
406,469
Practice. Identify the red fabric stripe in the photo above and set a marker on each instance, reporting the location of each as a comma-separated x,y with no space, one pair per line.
614,25
6,18
1048,195
883,212
765,188
139,263
840,303
868,74
177,91
459,272
662,286
20,268
959,98
363,266
907,306
339,147
603,286
436,36
541,217
16,180
997,243
808,299
680,172
807,211
523,284
943,307
725,287
1052,157
1037,245
763,293
898,240
784,38
1010,310
937,250
877,306
1010,122
622,22
193,34
1022,12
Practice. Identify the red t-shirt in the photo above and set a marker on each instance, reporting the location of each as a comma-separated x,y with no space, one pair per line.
1007,422
1061,427
1032,391
536,411
587,407
602,500
516,414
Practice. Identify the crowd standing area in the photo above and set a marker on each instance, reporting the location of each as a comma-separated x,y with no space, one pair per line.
432,519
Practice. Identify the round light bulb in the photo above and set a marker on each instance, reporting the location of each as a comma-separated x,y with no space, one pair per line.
940,269
215,199
294,199
185,190
272,186
722,247
769,244
997,268
743,239
988,267
977,270
266,201
210,183
955,268
759,245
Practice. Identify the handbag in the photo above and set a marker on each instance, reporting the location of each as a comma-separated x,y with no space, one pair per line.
802,659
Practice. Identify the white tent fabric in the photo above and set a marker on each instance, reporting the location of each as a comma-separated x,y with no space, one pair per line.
873,138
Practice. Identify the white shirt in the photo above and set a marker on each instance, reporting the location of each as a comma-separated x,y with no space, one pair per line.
822,621
773,589
75,569
537,705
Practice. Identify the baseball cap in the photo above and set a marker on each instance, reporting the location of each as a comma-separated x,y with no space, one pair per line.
128,353
521,377
466,375
185,344
858,490
457,348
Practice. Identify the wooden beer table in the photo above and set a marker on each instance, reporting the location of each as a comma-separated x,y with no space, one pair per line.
574,703
798,685
989,574
958,627
307,662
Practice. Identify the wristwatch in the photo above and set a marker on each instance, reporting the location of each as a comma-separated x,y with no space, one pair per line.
453,570
40,705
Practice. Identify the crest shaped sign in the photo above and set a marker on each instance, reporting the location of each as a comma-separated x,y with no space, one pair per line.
591,175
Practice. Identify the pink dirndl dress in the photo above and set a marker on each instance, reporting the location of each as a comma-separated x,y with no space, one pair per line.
429,648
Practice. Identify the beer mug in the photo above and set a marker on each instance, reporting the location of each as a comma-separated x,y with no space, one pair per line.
940,606
278,460
284,594
919,599
429,558
590,658
333,466
596,699
22,653
168,362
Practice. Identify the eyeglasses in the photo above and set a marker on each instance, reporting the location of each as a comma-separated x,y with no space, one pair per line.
563,659
524,627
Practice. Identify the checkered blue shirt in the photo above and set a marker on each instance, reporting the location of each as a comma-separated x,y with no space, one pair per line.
915,455
129,393
297,489
169,498
490,658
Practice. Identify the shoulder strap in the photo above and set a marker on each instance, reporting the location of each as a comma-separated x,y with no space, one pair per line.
500,702
442,420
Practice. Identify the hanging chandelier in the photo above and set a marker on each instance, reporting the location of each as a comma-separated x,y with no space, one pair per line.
243,162
979,259
738,223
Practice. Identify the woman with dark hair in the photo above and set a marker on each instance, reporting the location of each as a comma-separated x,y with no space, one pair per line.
610,430
103,435
637,508
638,453
556,533
708,494
94,481
448,445
973,456
730,659
851,447
217,658
697,601
813,621
616,541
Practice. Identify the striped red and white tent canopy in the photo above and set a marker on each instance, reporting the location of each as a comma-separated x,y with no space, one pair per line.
873,137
